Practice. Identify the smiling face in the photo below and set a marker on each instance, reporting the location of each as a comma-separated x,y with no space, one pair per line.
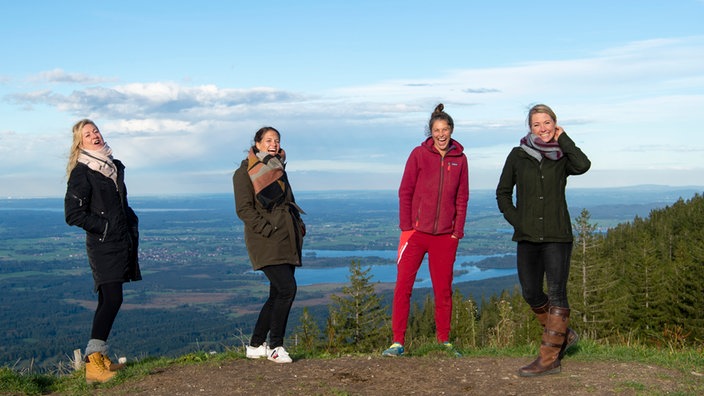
441,133
270,143
542,126
92,138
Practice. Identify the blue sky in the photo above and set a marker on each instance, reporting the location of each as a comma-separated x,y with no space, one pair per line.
179,88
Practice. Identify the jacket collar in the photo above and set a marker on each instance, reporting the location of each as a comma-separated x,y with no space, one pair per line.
455,148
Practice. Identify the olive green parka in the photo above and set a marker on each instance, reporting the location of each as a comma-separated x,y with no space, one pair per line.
273,236
540,213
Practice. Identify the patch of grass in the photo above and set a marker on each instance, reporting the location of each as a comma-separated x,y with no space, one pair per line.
12,382
686,359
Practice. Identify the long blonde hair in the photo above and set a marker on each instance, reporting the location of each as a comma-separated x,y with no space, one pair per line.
76,144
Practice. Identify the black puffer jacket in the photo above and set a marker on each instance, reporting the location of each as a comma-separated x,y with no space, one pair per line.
94,203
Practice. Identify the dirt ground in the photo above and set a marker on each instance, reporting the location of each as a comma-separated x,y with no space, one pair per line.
428,375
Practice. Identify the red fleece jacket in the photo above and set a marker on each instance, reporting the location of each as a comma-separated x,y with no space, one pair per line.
434,190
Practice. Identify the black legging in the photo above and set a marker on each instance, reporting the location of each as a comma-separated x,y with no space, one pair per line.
109,302
548,261
274,314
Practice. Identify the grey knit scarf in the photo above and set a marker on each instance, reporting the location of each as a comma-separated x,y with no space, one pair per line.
536,148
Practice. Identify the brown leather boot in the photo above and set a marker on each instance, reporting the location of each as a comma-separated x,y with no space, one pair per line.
571,339
554,336
541,313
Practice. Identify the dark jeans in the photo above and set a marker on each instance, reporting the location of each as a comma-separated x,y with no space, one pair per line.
539,261
274,314
109,302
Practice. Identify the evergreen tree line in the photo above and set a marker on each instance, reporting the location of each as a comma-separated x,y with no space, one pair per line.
640,282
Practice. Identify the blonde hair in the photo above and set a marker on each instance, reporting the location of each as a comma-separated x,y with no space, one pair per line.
541,108
76,144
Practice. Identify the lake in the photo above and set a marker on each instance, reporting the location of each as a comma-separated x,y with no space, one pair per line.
387,273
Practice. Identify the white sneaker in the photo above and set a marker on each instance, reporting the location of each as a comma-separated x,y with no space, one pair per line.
257,352
279,355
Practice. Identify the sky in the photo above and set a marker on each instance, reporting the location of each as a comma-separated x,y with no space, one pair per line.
178,88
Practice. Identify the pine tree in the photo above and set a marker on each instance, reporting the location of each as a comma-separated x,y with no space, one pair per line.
527,329
464,321
502,334
357,317
581,265
421,320
488,318
333,341
308,332
591,284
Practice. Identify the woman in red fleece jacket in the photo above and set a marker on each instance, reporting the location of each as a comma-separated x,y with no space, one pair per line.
432,208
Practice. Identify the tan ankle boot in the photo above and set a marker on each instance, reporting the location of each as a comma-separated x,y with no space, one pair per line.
554,336
96,371
112,366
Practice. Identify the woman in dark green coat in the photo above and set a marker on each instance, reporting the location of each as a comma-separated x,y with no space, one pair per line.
538,169
273,233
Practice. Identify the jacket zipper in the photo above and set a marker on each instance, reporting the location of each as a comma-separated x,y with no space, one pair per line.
440,184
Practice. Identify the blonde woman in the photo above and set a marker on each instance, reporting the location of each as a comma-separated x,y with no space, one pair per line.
96,201
537,169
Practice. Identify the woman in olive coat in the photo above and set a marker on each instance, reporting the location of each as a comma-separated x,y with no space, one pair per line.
538,169
273,233
96,201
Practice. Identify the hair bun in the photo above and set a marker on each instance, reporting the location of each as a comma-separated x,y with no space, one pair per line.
439,108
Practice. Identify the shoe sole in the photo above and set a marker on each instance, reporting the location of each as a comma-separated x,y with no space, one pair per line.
96,381
280,361
116,366
556,370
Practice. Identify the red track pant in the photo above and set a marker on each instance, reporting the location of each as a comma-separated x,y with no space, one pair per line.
441,251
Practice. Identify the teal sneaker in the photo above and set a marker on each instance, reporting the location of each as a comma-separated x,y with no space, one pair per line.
395,349
448,345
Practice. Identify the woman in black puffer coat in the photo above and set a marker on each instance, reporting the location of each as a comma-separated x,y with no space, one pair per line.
96,200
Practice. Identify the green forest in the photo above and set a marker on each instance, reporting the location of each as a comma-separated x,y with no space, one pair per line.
643,279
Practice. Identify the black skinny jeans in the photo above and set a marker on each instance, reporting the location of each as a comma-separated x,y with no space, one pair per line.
273,317
109,302
547,260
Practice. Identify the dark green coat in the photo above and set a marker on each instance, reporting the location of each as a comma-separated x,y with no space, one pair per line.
540,213
272,236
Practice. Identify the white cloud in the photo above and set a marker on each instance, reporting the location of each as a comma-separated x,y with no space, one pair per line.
635,107
60,76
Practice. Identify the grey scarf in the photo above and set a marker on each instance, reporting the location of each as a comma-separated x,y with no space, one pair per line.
536,148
